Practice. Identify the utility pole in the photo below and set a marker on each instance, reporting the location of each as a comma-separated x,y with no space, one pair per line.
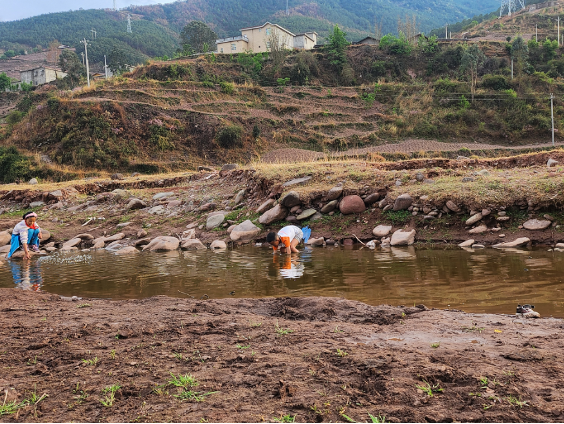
115,5
511,67
82,54
287,10
536,34
93,31
446,30
552,115
129,23
85,42
105,67
558,31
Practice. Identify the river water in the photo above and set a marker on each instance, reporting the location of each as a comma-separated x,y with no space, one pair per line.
485,280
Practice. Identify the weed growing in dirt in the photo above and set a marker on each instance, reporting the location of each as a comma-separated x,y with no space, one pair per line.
159,390
177,355
113,354
341,353
255,324
516,401
91,361
379,419
430,388
397,217
473,328
282,331
484,382
80,397
509,373
193,396
243,347
84,305
336,330
32,361
349,419
9,408
183,381
285,419
435,345
110,393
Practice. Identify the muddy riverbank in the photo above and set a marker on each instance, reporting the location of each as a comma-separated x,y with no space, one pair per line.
318,359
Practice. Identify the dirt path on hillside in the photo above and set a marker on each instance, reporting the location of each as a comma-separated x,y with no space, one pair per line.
318,359
406,146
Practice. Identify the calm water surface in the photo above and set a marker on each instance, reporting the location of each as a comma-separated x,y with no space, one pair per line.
484,280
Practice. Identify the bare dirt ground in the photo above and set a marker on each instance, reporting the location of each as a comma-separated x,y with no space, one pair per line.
318,359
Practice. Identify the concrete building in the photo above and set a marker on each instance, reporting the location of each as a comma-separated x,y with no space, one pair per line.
371,41
257,40
41,75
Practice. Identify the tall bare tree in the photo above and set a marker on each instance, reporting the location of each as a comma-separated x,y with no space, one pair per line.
277,43
408,28
378,29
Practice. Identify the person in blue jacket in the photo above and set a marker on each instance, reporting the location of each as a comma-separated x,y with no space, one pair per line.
26,234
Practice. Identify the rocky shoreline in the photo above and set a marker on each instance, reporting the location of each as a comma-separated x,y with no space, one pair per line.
235,206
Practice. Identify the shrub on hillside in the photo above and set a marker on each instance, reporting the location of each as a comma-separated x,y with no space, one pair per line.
230,136
13,165
396,45
495,82
227,87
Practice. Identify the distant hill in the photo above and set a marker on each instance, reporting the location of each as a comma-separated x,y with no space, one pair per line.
156,27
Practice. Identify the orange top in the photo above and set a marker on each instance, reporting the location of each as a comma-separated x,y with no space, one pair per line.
285,241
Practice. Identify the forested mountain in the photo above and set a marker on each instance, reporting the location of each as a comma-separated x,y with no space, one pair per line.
156,27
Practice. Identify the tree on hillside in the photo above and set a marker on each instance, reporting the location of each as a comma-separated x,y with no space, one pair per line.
54,52
472,59
196,37
5,82
72,65
519,54
337,47
117,61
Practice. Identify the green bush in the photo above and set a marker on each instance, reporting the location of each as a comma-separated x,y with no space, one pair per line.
14,117
13,165
495,82
378,68
396,45
227,87
230,136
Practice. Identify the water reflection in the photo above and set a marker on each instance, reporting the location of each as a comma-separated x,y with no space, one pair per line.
484,280
27,274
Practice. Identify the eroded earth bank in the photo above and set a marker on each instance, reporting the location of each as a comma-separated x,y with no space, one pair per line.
318,359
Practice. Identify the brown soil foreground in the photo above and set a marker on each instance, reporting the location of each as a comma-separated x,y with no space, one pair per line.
318,359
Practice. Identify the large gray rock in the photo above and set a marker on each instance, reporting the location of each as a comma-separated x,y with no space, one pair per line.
479,229
116,245
192,244
452,206
296,181
329,207
306,214
551,162
521,241
117,176
277,213
128,250
157,210
72,242
115,237
218,244
33,181
403,238
162,243
85,236
352,204
474,218
57,194
245,231
229,167
240,196
45,235
382,230
37,204
334,193
371,198
467,243
403,202
291,199
135,204
266,205
159,196
5,238
189,234
316,241
214,221
121,194
537,224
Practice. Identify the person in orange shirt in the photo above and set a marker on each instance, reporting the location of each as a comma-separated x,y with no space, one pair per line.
289,236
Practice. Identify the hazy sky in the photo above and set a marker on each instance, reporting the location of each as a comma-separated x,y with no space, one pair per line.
13,10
